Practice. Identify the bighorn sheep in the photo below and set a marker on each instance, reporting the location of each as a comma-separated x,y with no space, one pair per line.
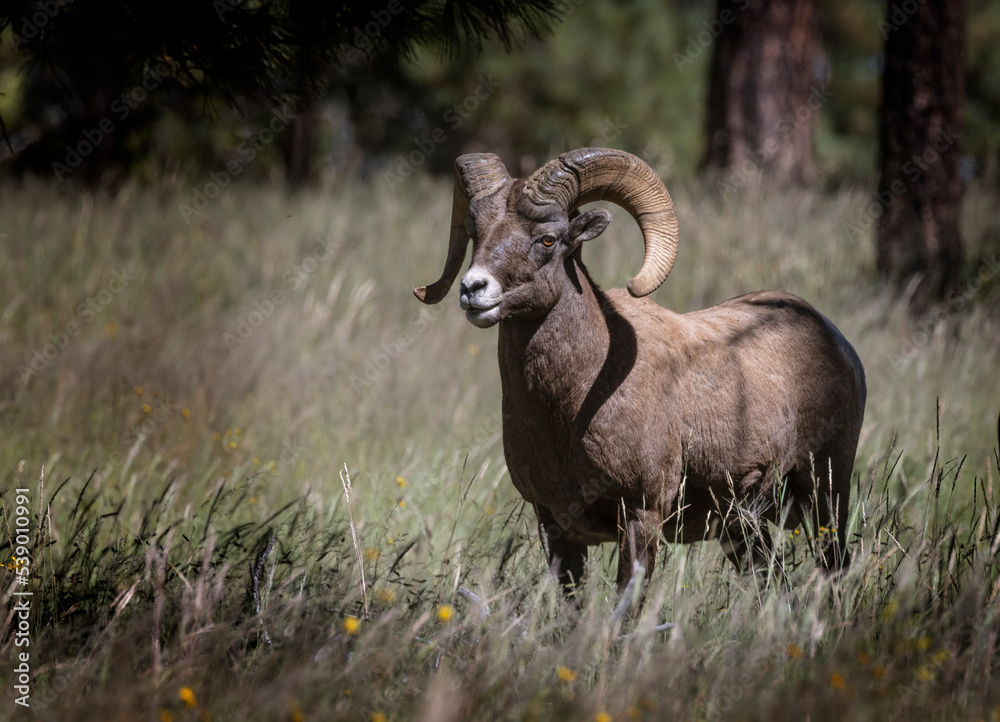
623,420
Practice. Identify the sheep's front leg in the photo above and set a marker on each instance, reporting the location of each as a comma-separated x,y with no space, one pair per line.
566,559
638,541
749,550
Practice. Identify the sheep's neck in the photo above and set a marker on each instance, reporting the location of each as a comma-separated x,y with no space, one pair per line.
549,364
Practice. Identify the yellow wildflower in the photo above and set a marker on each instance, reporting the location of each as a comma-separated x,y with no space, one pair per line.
138,390
187,695
446,612
566,674
794,651
633,712
837,680
371,554
379,717
232,444
352,625
146,408
922,644
401,482
165,715
878,671
602,717
401,504
925,673
256,461
297,716
186,413
939,657
110,329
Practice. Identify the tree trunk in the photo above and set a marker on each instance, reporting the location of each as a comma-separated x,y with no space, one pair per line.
920,124
763,89
298,146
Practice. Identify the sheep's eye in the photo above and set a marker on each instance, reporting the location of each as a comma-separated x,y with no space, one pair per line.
547,241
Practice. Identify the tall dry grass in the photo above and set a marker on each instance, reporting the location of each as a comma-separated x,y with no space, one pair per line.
173,449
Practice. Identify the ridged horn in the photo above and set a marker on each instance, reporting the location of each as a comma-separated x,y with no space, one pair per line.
476,175
595,174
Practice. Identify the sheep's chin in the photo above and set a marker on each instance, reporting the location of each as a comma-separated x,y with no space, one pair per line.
483,317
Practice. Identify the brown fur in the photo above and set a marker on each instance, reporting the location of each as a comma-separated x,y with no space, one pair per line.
618,412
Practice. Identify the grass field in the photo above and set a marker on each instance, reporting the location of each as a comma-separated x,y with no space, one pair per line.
176,396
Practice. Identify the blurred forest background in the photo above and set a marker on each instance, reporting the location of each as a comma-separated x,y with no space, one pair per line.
632,75
92,94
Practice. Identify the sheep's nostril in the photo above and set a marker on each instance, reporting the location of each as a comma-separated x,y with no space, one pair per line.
473,285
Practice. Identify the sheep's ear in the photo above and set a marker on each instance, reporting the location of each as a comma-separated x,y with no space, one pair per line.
587,226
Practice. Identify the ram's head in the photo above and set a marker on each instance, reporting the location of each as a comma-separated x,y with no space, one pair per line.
523,231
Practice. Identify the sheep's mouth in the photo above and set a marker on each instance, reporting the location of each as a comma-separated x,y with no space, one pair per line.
483,317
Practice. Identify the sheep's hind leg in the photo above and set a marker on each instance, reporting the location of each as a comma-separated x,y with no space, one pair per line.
638,541
745,538
566,559
749,550
831,491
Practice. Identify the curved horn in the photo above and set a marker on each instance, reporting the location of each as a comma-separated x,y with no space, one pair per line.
592,174
476,175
